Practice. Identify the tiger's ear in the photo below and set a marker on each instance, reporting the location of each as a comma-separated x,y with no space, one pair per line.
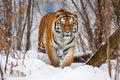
57,14
75,14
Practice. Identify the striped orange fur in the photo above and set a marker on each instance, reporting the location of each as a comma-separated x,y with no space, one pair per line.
58,31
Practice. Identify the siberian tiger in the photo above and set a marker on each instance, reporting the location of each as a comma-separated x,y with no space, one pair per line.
58,30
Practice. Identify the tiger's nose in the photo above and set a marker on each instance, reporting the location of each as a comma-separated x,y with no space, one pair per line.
67,33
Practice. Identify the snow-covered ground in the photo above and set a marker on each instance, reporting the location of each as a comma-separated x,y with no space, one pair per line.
37,68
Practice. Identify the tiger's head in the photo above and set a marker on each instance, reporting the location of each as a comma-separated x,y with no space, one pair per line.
66,24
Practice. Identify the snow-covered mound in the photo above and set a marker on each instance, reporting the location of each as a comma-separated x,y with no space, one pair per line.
32,68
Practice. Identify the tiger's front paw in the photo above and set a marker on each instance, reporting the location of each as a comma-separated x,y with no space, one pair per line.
66,62
55,64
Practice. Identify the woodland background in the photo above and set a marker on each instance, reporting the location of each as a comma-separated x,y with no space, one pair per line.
19,23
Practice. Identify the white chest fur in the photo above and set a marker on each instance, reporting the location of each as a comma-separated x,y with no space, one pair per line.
61,43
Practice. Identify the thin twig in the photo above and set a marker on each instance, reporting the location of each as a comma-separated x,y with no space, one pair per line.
78,9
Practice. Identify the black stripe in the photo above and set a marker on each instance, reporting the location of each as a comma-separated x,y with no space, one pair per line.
42,46
43,51
70,41
67,49
56,30
56,42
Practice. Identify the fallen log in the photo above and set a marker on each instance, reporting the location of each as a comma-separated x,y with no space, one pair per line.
100,55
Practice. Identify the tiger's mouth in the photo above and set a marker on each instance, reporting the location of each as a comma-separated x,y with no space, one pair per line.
67,35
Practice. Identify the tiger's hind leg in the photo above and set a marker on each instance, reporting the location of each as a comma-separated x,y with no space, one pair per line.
68,58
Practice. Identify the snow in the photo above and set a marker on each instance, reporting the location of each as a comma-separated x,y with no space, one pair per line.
84,73
34,68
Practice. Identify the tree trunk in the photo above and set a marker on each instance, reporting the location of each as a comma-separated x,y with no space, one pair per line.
1,74
100,56
29,23
8,16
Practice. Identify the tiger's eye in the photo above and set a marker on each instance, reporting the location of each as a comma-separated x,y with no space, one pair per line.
61,22
72,23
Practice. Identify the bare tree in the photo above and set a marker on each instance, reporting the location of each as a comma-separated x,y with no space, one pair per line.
20,24
1,74
29,22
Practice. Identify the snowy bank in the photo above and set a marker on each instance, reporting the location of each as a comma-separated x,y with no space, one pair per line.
36,69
